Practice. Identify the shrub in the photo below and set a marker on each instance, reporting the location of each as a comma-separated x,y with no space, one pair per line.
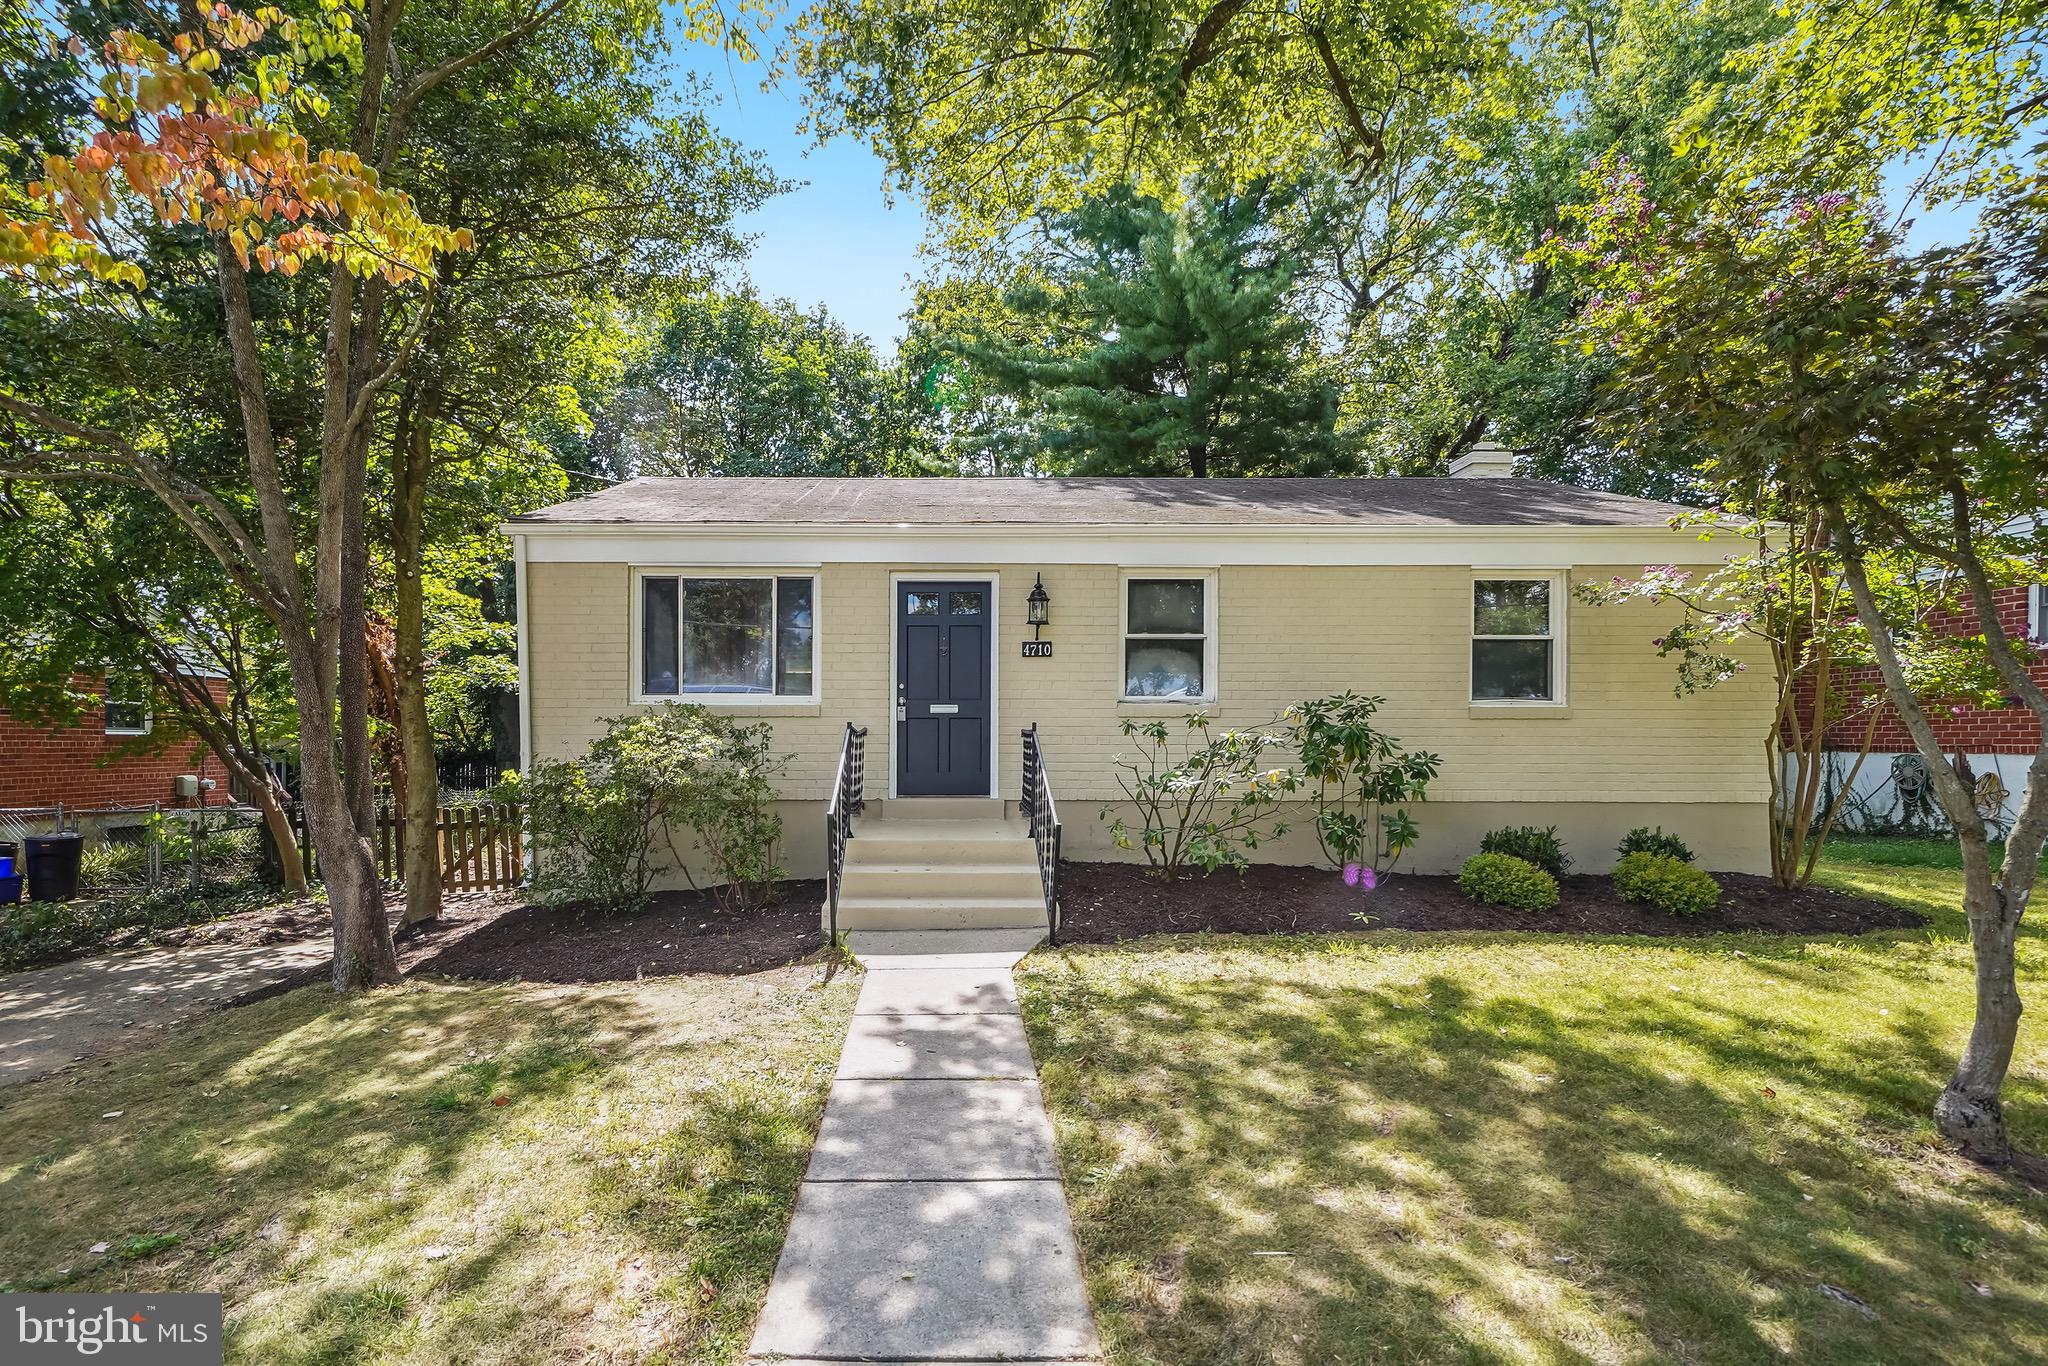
1504,880
1358,772
679,770
1204,801
1541,847
1643,840
1670,884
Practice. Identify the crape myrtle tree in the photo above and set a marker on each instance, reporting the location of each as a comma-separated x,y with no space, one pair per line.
1783,594
199,128
1177,346
1898,395
197,132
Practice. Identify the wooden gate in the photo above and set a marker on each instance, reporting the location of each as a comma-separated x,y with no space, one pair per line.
482,848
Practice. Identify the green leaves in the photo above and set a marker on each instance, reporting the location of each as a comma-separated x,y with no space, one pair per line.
1180,349
678,770
1358,772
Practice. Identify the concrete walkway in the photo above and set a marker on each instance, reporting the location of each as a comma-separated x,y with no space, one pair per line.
52,1017
932,1226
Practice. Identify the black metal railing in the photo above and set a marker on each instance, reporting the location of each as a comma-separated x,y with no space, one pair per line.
847,801
1044,815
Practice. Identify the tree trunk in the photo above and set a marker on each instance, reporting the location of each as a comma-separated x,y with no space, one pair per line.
411,460
363,953
1969,1112
283,838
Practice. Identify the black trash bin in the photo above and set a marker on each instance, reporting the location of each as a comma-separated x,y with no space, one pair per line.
53,866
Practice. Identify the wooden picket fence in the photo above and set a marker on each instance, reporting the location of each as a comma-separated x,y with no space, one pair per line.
482,848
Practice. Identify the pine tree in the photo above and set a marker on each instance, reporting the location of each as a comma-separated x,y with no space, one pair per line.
1184,354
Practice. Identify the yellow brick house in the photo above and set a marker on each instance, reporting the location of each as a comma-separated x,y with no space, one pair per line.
902,608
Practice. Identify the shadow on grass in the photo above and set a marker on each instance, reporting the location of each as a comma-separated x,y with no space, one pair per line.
406,1175
1527,1147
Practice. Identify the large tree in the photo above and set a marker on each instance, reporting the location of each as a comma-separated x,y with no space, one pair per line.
202,131
594,196
1178,349
1437,142
735,384
1903,397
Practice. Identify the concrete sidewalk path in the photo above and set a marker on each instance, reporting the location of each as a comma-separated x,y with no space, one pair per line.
932,1226
52,1017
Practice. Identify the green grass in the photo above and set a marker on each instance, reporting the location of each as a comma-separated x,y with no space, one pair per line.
1900,851
1485,1148
441,1172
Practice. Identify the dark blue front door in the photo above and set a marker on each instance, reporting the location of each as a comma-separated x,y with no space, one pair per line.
943,654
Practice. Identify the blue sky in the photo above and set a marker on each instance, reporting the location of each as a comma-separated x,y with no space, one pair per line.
837,240
833,240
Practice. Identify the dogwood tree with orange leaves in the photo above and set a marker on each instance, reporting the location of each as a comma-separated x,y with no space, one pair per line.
184,143
195,124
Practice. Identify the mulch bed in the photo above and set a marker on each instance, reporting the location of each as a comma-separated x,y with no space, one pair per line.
281,923
1105,902
680,932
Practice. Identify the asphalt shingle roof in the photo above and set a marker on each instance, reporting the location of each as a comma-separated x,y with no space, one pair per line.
1103,502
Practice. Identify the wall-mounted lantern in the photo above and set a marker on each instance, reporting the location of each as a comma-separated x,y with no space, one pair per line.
1038,607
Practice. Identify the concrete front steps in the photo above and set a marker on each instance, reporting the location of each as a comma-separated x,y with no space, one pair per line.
940,863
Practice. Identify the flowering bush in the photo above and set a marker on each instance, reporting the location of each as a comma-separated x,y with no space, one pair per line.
1670,884
1504,880
1357,773
1206,800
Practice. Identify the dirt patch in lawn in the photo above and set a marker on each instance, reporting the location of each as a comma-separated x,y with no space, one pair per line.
680,932
1105,902
282,922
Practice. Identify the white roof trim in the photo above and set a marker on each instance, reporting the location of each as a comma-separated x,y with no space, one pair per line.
1507,547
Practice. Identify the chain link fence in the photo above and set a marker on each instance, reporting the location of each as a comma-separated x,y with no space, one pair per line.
136,848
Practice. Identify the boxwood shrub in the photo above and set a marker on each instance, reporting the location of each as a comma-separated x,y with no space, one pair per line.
1670,884
1644,840
1504,880
1531,844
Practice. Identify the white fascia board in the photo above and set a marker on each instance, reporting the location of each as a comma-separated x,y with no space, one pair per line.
1133,547
523,646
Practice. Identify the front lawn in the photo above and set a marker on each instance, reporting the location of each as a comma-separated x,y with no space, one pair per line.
442,1172
1467,1147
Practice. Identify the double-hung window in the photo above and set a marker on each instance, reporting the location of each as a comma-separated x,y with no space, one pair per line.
1517,638
1169,637
2037,613
730,635
127,704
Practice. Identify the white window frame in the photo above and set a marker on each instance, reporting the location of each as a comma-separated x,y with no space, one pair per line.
107,699
636,673
2037,613
1560,621
1210,637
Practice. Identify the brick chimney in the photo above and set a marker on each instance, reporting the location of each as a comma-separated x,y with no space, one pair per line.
1484,460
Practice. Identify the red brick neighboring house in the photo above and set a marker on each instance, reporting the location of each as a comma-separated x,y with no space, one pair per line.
1995,740
76,766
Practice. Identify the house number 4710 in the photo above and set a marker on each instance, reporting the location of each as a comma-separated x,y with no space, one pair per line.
1038,649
